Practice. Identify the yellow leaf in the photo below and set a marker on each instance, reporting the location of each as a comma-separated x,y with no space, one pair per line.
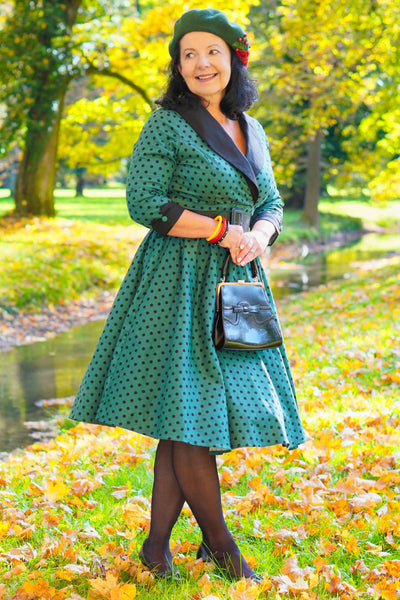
128,591
313,580
4,527
57,491
103,587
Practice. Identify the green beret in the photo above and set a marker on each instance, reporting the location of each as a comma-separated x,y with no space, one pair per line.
213,21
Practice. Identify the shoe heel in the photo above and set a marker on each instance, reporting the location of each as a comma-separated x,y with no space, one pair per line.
203,554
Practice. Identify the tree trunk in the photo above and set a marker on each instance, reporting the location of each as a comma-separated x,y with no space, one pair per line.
310,212
80,181
37,170
34,188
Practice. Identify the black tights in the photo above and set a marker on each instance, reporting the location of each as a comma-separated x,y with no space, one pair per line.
185,472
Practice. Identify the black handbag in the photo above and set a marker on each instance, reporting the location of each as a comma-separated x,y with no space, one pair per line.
244,319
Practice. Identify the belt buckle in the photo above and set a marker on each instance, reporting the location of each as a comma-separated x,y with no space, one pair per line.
237,216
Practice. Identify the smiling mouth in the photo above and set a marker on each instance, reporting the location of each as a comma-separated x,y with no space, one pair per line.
206,77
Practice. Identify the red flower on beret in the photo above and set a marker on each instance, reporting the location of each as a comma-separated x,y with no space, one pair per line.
243,56
242,49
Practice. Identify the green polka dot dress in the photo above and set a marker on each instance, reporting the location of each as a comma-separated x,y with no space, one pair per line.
155,369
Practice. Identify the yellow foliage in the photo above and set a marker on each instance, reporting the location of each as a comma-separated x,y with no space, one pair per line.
57,490
98,133
111,589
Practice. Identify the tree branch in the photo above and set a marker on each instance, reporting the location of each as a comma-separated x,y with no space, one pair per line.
93,70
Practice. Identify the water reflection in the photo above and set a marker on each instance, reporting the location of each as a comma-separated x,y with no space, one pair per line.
312,270
44,370
54,368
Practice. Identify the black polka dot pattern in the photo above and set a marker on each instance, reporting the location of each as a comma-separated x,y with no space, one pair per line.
155,369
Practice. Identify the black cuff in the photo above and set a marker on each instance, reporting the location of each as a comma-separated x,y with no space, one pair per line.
170,214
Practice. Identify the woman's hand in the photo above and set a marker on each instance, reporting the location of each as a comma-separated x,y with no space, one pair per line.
254,243
232,241
244,247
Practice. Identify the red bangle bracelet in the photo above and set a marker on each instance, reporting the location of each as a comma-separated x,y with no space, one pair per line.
220,233
223,235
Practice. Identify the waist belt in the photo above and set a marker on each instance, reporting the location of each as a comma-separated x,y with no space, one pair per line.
235,217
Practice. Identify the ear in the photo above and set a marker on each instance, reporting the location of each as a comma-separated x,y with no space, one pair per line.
179,68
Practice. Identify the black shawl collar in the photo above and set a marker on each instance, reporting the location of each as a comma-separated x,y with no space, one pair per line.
216,137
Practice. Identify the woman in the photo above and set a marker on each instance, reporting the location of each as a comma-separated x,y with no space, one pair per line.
155,369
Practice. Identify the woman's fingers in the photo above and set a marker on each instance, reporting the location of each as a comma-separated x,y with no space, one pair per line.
232,241
244,247
249,248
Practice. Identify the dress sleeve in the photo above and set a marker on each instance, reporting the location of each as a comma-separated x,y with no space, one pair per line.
271,209
151,169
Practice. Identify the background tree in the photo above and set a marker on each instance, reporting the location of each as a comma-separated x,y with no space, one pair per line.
35,51
47,44
318,63
127,67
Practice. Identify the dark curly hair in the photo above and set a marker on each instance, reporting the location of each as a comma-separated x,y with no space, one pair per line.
240,94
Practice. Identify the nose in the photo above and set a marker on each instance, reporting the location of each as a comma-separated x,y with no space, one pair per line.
203,61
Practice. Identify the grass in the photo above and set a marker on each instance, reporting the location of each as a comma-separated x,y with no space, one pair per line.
107,206
295,230
56,261
368,212
322,522
90,243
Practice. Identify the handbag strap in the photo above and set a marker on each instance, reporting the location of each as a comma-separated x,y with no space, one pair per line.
254,269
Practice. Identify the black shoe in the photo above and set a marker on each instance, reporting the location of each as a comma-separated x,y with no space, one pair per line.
172,573
207,556
203,554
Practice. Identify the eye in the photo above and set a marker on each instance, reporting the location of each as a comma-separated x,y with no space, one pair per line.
189,55
214,51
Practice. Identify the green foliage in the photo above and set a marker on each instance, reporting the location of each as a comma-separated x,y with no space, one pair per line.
295,230
127,60
35,59
322,65
56,261
325,66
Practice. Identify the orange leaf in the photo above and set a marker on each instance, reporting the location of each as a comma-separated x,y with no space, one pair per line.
33,590
284,584
227,477
337,586
83,486
327,547
105,587
352,545
386,590
243,590
320,563
70,572
392,568
17,570
292,569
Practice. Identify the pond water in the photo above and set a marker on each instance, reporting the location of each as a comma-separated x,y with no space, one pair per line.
315,269
35,378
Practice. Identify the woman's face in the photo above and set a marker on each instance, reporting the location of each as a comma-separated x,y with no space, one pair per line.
205,65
